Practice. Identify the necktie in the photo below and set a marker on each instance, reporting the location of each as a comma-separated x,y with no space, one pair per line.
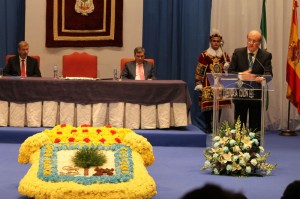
23,74
141,72
251,60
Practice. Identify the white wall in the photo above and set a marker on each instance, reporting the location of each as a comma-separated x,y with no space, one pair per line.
108,57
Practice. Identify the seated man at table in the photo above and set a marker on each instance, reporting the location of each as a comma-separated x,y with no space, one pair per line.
22,64
139,69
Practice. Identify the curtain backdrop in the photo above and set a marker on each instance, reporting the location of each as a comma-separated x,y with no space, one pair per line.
234,18
12,23
175,32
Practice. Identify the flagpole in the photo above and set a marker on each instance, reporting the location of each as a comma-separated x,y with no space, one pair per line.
288,132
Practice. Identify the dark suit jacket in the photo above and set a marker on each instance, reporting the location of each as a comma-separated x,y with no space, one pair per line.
130,68
12,67
262,64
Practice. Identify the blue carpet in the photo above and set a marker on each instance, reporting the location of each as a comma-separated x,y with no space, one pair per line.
176,170
189,136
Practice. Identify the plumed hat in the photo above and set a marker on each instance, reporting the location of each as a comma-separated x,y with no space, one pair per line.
215,33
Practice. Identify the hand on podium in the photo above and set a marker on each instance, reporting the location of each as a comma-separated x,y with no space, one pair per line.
259,79
247,76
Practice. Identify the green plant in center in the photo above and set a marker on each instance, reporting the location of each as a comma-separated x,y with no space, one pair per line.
88,157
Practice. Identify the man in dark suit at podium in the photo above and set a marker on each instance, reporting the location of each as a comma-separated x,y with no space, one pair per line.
250,62
139,69
22,64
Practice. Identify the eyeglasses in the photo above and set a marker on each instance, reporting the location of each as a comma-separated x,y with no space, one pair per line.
252,41
217,41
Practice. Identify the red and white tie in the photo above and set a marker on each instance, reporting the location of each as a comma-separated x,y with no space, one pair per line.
23,72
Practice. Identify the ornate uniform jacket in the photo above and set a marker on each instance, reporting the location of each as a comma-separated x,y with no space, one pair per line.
209,61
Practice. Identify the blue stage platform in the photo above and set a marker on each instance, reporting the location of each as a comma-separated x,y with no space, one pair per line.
188,136
176,170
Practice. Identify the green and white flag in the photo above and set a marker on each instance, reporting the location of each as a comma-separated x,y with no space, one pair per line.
263,27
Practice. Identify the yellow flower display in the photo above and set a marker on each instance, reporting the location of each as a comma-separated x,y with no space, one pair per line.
236,151
141,185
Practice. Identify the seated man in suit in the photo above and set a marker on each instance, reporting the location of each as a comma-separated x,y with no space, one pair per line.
139,69
22,64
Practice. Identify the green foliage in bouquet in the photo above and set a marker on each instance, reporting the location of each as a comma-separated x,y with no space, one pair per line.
236,151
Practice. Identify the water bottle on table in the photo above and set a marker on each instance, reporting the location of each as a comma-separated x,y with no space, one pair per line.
115,73
55,72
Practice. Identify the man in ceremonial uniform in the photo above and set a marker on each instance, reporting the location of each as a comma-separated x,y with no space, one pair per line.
212,60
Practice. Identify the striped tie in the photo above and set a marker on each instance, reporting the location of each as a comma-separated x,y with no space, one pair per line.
251,60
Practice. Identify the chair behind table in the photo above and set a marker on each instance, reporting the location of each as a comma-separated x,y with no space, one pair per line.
79,65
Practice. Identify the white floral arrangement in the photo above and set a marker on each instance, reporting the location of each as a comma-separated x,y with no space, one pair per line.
237,152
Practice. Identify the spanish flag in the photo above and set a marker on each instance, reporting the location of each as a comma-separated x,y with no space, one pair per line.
293,62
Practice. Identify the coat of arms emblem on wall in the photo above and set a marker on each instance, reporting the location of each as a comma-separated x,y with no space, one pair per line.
84,7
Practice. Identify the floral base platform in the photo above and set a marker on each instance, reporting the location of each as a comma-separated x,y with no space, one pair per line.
53,174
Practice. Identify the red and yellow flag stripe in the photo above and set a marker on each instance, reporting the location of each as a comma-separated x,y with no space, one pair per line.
293,62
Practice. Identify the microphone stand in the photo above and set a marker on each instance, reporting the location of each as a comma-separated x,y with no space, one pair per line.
255,59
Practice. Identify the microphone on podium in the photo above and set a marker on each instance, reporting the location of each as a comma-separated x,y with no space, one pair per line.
260,78
254,58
